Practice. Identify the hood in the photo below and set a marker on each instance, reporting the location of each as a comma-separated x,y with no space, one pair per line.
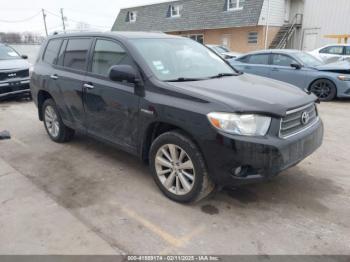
249,93
13,64
341,67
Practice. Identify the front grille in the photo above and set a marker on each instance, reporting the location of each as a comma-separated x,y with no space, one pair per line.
8,75
293,123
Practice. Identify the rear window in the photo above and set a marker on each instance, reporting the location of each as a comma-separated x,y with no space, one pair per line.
76,53
51,51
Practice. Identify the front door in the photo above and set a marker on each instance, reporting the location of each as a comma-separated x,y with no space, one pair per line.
112,108
282,70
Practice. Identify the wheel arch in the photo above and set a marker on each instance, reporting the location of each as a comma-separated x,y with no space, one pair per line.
42,96
154,130
323,78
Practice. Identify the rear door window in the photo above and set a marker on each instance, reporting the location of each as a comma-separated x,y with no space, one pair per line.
75,56
261,59
51,52
282,60
106,54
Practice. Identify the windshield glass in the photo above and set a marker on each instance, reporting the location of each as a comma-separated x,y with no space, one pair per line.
171,59
308,60
7,53
221,49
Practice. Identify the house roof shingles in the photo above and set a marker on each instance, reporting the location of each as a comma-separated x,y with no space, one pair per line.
195,15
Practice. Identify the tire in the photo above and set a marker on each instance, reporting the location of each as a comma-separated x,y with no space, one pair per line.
55,128
324,89
198,183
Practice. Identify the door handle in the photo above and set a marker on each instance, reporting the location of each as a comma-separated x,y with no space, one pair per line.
54,77
89,86
275,69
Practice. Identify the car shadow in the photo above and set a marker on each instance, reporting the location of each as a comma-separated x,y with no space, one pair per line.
295,187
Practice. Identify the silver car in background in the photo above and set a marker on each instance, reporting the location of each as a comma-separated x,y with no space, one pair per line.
223,51
300,69
332,53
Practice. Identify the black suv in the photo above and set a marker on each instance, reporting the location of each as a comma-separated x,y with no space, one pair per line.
14,73
177,105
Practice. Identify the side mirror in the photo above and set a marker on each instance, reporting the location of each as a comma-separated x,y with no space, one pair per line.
24,56
295,65
121,73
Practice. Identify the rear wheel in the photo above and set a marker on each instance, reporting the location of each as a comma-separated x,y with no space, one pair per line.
54,125
324,89
178,168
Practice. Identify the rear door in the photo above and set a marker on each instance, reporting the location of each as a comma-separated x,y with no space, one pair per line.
257,64
112,108
281,70
70,76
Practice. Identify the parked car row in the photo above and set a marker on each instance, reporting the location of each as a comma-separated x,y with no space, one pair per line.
300,69
175,104
14,73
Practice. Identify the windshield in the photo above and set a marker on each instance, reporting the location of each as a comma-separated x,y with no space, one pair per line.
171,59
308,60
221,49
7,53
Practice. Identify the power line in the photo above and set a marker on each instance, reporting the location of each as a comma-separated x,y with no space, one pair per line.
22,20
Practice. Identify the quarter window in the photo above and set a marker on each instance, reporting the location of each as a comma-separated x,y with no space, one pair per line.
106,54
52,50
75,56
333,50
235,4
347,50
252,37
282,60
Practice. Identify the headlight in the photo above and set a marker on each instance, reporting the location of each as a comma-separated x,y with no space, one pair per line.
344,78
240,124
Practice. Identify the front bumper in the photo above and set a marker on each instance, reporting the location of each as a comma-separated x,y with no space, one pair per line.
258,158
14,88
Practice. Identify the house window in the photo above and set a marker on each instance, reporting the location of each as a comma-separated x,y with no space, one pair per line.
132,17
174,11
252,37
235,4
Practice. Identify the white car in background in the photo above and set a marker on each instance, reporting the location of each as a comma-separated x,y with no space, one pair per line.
332,53
223,51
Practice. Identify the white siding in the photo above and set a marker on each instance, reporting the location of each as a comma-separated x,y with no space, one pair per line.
277,13
325,17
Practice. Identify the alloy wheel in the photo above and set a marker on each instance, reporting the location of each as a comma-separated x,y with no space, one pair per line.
51,121
321,89
175,169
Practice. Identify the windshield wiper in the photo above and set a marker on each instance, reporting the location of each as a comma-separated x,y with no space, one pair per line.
184,79
223,75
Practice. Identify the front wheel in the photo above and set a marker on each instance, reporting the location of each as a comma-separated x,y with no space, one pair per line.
54,125
178,168
324,89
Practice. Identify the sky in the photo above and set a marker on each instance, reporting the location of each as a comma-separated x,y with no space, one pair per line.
26,15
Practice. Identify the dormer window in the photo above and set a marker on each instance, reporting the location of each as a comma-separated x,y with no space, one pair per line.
235,5
132,17
175,11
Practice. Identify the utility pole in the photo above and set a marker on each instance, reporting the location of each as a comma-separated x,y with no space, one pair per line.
267,23
63,18
44,17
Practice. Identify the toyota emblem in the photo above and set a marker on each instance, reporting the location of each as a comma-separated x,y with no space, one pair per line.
305,118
